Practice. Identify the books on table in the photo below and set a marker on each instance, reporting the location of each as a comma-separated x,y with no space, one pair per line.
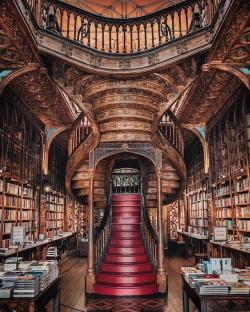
212,287
239,288
5,292
26,286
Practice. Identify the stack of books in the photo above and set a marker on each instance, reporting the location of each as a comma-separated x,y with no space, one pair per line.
212,287
50,270
193,278
9,278
52,252
5,292
26,286
239,288
11,264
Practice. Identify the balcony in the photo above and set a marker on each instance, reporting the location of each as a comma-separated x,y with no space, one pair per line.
127,46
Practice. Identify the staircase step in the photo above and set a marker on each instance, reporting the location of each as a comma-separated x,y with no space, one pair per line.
125,268
128,214
126,227
132,220
125,242
126,209
134,203
126,278
125,197
126,234
126,250
141,258
129,290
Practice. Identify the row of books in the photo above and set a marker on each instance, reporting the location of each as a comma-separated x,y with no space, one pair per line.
242,184
54,207
15,202
225,190
224,213
51,198
242,199
14,215
224,202
199,222
16,189
54,224
243,212
243,225
198,213
54,215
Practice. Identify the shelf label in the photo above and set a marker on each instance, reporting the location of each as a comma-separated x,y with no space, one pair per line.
220,234
18,235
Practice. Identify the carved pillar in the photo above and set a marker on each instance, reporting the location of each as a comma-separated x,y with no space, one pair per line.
161,271
90,279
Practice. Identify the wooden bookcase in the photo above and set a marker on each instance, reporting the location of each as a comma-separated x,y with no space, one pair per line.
228,141
196,190
21,137
81,220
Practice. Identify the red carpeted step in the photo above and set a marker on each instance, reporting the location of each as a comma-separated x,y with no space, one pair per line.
132,220
126,250
125,197
126,227
139,290
125,242
126,234
127,279
126,270
131,259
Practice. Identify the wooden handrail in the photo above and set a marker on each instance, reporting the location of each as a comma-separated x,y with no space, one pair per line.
170,128
123,36
149,235
80,130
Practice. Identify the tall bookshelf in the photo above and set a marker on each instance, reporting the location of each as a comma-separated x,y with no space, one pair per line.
229,137
20,168
196,190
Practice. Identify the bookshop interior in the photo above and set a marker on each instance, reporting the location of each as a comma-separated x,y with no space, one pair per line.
124,155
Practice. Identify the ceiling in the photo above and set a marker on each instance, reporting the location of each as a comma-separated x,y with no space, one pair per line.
122,8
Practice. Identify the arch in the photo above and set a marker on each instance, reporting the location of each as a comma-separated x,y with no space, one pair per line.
51,134
15,74
229,68
201,134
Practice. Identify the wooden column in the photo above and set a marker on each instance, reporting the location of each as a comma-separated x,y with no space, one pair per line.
90,279
161,271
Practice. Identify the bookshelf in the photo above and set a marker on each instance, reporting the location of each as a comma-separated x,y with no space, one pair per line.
81,220
20,168
228,141
196,190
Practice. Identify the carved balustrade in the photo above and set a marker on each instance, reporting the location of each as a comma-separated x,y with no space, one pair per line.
79,132
170,129
149,234
124,36
126,182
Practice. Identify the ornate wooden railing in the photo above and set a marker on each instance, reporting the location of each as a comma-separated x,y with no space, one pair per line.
126,182
102,234
123,35
171,130
149,234
79,132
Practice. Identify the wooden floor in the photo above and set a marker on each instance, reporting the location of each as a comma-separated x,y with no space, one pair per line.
72,292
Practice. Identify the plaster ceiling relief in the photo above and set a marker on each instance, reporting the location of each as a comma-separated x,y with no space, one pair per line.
122,8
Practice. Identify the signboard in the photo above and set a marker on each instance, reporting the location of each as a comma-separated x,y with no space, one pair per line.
220,234
18,235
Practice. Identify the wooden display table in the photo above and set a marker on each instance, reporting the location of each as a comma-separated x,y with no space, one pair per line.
214,303
197,243
37,304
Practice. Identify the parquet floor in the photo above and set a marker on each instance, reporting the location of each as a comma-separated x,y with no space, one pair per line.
72,291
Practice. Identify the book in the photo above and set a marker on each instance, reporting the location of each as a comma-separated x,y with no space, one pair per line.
209,287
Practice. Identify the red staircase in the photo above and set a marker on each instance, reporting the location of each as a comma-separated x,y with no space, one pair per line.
126,269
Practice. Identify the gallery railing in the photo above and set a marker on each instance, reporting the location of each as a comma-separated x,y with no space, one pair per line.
126,183
170,129
79,132
123,35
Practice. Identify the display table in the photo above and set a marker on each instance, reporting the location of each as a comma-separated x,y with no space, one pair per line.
37,304
214,303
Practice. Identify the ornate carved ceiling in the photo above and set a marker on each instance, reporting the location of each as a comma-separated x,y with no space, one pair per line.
122,8
28,78
222,72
